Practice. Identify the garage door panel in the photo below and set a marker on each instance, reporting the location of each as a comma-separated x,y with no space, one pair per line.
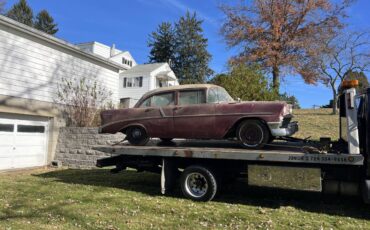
29,141
31,159
23,151
6,140
23,141
5,161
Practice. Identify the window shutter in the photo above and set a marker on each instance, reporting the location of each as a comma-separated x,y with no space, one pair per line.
124,82
141,82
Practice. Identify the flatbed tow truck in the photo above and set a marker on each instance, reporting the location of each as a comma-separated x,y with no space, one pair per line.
203,166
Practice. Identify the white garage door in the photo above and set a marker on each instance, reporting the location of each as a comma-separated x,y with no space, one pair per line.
23,141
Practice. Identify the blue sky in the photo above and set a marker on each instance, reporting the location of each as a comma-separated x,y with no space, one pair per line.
127,24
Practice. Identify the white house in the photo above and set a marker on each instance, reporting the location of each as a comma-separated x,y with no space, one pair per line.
142,78
32,64
121,57
137,79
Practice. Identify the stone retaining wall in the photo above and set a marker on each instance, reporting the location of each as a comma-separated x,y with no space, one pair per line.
74,148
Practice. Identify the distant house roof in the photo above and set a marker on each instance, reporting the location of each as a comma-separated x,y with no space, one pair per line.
145,68
7,22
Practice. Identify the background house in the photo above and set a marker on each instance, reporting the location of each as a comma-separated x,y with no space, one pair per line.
137,79
142,78
121,57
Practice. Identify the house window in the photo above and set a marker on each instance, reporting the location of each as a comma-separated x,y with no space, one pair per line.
132,82
126,62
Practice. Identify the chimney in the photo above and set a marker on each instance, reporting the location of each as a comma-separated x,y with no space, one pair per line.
170,62
113,50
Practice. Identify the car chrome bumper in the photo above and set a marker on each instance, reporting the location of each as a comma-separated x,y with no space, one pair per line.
277,130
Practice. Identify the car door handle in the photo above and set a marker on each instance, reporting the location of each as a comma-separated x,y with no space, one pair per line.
148,110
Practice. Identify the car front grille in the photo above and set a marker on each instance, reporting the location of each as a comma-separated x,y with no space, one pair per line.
286,120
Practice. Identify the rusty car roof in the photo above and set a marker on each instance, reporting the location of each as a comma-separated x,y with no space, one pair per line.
179,87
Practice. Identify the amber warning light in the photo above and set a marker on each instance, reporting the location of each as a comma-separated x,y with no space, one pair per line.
347,84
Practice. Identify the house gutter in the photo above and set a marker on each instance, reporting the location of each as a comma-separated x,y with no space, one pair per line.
7,22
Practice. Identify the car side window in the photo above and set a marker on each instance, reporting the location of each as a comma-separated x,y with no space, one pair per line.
146,103
191,97
212,96
159,100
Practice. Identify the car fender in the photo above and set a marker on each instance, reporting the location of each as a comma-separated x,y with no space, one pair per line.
241,119
124,128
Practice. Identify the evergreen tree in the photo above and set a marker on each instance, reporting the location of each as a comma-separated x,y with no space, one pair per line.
45,23
2,6
162,43
192,57
21,12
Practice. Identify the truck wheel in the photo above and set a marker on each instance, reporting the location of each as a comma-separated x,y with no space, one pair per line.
253,134
137,136
198,183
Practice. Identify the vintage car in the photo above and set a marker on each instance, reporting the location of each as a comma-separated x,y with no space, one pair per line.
201,111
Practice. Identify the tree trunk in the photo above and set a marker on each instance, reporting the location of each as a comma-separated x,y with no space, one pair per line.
276,78
335,99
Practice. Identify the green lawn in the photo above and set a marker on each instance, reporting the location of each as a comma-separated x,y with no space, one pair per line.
95,199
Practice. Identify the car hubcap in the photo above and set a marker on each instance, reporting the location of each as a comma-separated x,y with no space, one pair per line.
196,184
136,133
251,135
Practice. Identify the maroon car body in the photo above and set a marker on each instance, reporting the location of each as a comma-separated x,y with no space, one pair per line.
200,111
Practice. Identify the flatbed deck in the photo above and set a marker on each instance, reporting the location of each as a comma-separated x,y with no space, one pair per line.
229,150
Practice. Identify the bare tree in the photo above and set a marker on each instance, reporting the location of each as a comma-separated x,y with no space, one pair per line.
278,34
340,55
82,100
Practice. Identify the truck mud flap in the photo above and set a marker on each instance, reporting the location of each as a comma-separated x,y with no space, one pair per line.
169,174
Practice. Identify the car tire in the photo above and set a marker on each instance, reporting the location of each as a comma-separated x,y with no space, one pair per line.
198,183
253,134
137,136
166,139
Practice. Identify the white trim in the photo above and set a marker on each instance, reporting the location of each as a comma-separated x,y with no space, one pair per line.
59,42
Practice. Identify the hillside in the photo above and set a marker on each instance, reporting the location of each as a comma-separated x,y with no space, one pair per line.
316,123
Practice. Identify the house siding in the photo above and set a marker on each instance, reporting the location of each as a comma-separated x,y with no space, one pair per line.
134,93
32,68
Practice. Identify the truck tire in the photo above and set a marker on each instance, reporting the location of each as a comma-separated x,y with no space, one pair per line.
198,183
253,134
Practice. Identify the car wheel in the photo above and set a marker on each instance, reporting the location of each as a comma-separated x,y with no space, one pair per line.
198,183
253,134
166,139
137,136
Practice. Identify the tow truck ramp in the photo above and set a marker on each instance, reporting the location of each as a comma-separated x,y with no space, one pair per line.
231,151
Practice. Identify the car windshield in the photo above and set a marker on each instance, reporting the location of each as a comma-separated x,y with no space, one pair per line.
223,95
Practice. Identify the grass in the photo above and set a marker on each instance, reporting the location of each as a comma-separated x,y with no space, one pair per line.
316,123
96,199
